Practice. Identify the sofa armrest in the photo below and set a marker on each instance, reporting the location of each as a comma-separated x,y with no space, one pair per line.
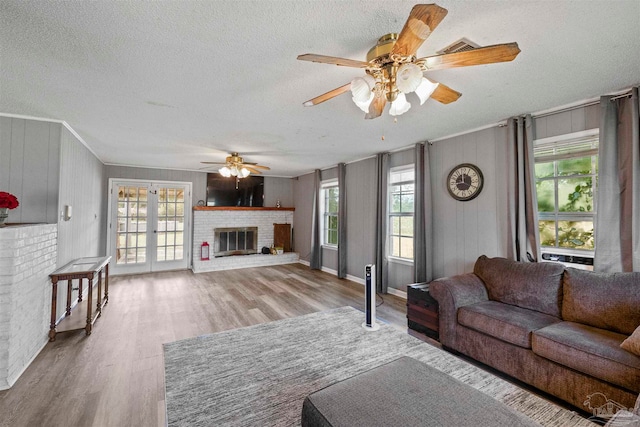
452,293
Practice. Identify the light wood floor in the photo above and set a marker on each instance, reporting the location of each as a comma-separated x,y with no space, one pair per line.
115,377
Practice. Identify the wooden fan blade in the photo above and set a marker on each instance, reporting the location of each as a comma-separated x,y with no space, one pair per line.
214,163
422,20
326,96
377,105
445,94
253,170
482,55
323,59
257,166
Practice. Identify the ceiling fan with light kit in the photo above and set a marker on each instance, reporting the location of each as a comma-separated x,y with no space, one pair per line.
235,166
393,70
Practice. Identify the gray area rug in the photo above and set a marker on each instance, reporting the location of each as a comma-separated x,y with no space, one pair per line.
260,375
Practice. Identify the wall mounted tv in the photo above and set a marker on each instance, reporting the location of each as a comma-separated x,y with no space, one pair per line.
223,191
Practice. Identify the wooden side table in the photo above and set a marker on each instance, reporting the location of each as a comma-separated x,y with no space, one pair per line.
81,268
422,310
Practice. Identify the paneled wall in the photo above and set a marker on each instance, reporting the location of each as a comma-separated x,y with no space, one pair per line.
197,179
575,120
361,215
29,168
465,230
81,187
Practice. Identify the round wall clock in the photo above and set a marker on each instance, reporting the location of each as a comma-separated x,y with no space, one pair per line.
465,182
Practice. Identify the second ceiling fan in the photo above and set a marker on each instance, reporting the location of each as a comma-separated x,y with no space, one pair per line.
392,69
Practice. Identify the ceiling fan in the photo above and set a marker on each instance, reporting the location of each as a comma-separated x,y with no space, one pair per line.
393,70
235,166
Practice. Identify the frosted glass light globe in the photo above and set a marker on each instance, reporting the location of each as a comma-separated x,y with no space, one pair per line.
361,88
408,77
425,90
400,105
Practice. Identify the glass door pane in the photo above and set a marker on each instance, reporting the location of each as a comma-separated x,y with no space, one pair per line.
131,239
170,251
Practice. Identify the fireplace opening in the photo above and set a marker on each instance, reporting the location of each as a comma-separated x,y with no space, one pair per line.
235,241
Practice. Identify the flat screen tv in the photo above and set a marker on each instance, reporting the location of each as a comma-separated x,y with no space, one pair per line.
222,191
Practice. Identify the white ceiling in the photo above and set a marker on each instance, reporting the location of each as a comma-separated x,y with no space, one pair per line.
171,83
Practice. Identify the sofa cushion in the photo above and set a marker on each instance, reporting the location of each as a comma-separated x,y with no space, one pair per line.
503,321
536,286
589,350
632,344
604,300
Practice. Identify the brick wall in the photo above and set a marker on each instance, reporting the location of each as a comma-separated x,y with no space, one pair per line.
204,222
27,257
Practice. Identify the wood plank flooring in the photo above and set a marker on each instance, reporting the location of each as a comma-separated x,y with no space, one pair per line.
115,377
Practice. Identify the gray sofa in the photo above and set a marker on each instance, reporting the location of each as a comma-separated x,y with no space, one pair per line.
557,329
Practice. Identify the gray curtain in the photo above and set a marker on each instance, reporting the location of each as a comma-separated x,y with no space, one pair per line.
342,221
316,244
524,237
617,228
422,225
382,160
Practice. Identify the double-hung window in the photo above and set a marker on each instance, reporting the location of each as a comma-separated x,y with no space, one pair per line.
566,170
329,199
401,196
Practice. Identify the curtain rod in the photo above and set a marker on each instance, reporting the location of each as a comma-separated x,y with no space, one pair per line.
587,103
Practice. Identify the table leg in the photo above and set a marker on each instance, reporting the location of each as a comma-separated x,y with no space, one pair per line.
69,283
89,306
106,283
54,299
80,292
99,298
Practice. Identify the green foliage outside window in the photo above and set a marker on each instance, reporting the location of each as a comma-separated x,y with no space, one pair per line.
565,192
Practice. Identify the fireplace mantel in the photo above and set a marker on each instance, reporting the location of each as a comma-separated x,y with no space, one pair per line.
239,208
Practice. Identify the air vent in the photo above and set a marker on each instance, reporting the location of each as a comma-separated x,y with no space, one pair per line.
461,45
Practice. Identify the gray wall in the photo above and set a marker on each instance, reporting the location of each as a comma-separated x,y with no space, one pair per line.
361,215
29,168
465,230
303,202
81,187
278,189
197,179
567,122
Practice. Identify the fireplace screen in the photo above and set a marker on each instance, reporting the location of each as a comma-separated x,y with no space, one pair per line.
235,241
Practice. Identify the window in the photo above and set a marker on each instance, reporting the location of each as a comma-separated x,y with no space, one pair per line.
329,199
566,178
401,190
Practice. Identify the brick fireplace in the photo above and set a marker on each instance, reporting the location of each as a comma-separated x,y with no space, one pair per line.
208,219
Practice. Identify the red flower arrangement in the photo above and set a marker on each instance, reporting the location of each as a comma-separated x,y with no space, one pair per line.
8,200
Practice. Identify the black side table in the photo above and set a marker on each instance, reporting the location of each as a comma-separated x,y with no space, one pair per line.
422,310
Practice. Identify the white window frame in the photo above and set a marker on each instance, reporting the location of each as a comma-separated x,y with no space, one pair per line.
325,186
397,170
556,216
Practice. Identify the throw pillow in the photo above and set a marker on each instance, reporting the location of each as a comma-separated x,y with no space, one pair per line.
632,344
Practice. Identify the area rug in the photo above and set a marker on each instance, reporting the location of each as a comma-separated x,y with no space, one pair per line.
260,375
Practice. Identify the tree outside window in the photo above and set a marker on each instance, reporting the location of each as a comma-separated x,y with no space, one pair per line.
329,196
401,200
566,180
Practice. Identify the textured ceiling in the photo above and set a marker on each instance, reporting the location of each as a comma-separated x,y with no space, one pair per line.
171,83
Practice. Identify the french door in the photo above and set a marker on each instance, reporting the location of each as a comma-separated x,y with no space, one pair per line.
149,226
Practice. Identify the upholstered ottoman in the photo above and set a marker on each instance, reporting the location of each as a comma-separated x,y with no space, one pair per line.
406,392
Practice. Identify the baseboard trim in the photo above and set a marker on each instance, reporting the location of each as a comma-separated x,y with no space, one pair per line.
396,292
12,381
